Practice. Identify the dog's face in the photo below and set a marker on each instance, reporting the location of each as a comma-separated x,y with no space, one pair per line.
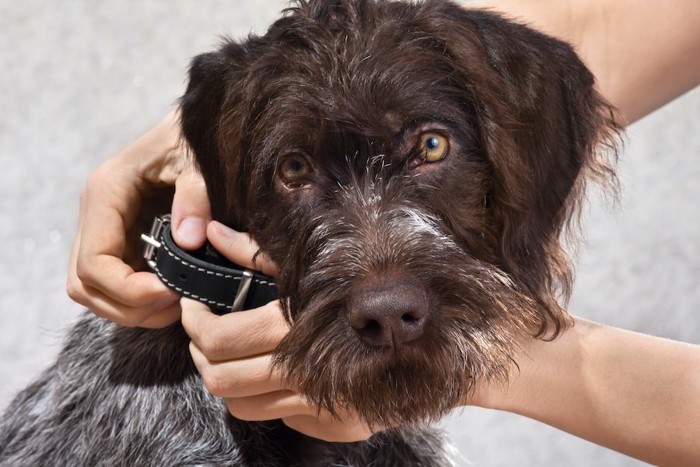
410,168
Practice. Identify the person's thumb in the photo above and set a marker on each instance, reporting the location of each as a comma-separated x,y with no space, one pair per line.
191,211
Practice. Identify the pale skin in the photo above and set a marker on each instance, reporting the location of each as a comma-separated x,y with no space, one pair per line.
637,394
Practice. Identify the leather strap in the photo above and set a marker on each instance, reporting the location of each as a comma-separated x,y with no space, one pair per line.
204,275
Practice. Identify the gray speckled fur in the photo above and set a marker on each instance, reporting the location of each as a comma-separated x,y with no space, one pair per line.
638,269
122,396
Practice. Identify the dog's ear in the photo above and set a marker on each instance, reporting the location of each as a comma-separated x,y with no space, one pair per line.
542,125
211,87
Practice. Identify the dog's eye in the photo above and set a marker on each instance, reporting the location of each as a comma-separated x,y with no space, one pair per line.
295,170
433,147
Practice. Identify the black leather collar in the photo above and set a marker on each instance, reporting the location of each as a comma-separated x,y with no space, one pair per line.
204,274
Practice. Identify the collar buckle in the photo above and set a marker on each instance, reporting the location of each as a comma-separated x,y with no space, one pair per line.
153,238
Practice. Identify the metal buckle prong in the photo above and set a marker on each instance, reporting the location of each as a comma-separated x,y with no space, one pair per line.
242,292
152,243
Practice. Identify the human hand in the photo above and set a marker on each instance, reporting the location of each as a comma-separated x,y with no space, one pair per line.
106,272
233,353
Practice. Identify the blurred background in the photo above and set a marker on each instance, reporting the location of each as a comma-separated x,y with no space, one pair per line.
79,80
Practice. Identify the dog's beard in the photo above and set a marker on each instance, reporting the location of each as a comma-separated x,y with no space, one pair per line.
524,119
476,316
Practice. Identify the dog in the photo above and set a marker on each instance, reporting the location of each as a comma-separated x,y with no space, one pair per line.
411,168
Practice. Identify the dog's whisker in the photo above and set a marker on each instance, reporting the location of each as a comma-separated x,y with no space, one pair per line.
411,168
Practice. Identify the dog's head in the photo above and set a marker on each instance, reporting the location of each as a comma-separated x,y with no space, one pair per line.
410,167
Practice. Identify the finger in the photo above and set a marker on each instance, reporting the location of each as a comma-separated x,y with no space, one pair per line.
234,335
73,283
98,263
156,315
159,309
270,406
121,283
162,317
329,429
239,248
191,211
238,378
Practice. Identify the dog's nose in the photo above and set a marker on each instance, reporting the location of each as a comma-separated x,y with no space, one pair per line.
388,314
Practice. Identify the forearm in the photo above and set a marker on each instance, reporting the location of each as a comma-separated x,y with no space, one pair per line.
644,54
637,394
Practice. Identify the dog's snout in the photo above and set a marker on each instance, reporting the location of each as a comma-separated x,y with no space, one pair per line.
388,313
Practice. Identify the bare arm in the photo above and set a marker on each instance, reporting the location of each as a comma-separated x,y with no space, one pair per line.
636,394
644,54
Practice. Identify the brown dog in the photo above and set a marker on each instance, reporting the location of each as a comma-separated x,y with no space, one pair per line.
410,167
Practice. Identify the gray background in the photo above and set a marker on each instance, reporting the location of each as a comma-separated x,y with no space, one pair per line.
81,79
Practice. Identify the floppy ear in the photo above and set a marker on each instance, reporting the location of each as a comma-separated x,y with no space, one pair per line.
211,87
542,124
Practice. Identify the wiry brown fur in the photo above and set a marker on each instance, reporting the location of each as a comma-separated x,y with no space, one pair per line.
350,85
466,248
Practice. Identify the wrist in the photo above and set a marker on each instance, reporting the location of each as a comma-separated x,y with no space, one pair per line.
168,155
543,373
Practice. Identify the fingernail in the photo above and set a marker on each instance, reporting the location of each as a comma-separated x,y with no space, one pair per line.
192,230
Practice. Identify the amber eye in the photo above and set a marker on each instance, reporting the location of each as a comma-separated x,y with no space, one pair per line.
295,170
433,147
